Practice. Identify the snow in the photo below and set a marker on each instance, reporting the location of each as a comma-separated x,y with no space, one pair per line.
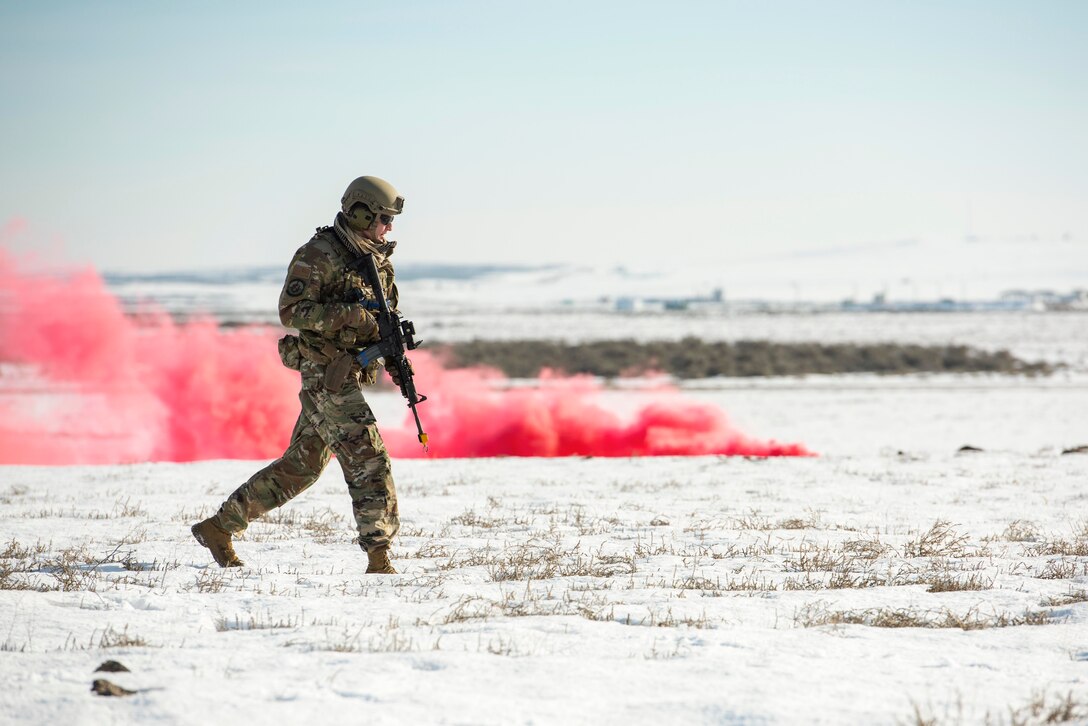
654,590
650,590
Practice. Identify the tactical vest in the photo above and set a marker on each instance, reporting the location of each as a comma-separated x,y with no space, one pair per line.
326,346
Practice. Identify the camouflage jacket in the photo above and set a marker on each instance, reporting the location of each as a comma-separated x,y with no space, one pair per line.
316,300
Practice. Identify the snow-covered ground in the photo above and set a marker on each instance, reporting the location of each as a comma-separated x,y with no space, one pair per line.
654,590
664,590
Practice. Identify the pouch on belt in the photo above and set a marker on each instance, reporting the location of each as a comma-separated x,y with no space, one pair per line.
289,352
338,370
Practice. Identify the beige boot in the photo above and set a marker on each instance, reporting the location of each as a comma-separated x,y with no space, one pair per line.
210,535
379,562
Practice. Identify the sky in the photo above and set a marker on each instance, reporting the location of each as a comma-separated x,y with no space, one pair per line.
705,135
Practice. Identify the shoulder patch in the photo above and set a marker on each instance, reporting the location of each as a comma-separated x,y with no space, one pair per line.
295,287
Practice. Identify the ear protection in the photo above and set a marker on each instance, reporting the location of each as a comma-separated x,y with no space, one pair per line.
360,217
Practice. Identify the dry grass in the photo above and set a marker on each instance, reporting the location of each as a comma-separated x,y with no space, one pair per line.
1058,547
111,638
127,508
73,568
208,581
1046,709
1070,598
429,551
1021,530
951,583
866,549
467,557
387,638
469,608
846,580
324,526
812,558
1062,569
677,650
818,614
667,619
545,561
940,540
256,622
1043,708
753,520
469,518
24,567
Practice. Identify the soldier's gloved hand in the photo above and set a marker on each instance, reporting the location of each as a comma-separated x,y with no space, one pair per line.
391,368
363,324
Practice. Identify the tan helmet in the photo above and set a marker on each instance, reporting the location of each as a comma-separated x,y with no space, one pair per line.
368,196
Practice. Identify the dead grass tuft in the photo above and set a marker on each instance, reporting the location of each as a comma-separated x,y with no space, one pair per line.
866,549
1058,547
255,622
208,581
753,520
324,526
469,518
1021,530
810,558
1070,598
951,583
542,562
940,540
1045,709
846,580
72,569
428,551
387,639
111,638
1062,569
469,608
818,614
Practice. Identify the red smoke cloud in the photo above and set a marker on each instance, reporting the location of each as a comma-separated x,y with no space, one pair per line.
82,383
471,412
96,387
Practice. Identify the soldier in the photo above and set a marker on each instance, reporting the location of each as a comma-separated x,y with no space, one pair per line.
335,418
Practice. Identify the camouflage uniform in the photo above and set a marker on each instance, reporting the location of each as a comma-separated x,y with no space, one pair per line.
335,418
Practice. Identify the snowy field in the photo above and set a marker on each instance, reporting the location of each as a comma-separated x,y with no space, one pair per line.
892,579
889,580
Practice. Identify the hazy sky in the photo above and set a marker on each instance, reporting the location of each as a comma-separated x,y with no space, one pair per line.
191,135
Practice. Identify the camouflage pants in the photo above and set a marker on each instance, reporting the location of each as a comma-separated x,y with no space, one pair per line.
331,422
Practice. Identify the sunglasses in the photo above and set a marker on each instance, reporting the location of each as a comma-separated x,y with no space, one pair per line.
386,219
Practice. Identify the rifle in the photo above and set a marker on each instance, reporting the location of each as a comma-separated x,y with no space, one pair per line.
397,337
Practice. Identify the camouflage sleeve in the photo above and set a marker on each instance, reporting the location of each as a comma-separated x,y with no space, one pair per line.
301,301
392,295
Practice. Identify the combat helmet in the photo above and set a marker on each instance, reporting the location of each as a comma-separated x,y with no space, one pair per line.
367,197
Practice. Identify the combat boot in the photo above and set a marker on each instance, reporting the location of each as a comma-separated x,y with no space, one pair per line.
211,535
379,562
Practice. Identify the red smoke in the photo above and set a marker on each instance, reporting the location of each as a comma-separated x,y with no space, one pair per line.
471,412
81,383
96,387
